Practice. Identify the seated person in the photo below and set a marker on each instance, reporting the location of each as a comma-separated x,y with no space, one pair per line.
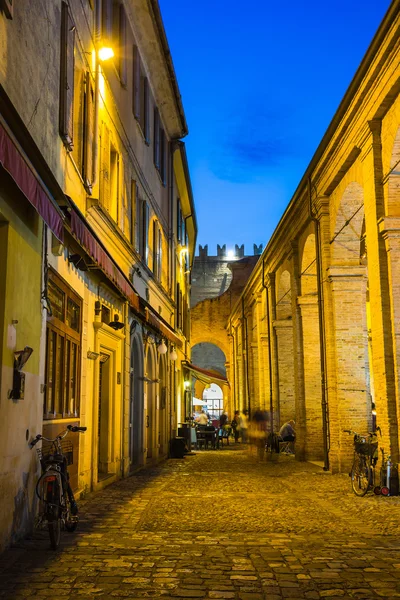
287,433
202,419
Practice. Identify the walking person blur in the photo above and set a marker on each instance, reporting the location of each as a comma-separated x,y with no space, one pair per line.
244,426
258,431
236,425
223,420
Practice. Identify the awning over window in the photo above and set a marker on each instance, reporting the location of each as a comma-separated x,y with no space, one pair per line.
163,329
17,166
102,259
204,375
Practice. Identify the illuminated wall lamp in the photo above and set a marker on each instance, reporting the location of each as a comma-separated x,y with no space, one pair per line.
162,348
105,53
173,355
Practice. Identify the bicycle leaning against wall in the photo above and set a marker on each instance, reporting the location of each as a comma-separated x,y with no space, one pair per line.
57,503
365,458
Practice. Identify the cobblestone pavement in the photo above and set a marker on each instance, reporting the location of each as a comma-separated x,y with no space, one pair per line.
219,524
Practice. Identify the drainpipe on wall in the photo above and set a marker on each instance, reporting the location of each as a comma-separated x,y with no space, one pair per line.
268,315
324,399
245,339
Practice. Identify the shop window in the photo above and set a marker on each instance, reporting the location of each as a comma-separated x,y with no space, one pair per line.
63,350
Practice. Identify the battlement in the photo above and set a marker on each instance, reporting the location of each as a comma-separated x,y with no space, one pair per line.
222,252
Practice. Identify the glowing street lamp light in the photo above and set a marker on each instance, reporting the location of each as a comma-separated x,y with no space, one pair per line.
105,53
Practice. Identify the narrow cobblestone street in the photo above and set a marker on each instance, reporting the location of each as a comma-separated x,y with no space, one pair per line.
218,525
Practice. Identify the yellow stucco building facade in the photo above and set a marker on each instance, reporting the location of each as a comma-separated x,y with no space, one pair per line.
97,238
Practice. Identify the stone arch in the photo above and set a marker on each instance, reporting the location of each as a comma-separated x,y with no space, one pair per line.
348,226
308,267
136,408
393,195
310,414
283,296
349,289
209,356
283,328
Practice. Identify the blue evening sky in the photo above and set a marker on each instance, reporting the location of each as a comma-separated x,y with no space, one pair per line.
260,83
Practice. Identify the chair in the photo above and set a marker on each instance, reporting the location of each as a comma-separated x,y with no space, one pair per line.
200,437
285,447
210,436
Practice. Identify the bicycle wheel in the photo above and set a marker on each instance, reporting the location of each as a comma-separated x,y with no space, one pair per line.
71,521
54,528
360,476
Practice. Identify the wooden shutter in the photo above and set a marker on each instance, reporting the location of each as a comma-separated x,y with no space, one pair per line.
178,306
145,250
163,167
146,109
105,167
88,133
156,138
136,83
178,220
67,77
159,255
107,21
155,248
122,46
138,220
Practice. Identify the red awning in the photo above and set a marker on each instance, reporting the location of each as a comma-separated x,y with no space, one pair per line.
15,164
102,259
164,329
205,375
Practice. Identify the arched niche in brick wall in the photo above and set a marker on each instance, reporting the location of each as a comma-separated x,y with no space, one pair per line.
393,195
308,273
347,233
283,296
209,356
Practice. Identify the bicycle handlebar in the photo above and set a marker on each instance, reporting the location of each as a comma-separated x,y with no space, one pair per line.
60,436
75,428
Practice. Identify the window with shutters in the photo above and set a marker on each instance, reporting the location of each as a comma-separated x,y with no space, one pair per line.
66,117
146,110
107,22
114,183
122,58
178,306
63,351
141,95
87,132
156,139
157,250
133,217
143,229
160,148
105,168
180,224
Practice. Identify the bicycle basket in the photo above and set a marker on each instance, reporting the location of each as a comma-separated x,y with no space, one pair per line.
364,447
49,449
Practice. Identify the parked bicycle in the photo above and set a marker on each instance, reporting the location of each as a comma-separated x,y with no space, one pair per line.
365,458
57,503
